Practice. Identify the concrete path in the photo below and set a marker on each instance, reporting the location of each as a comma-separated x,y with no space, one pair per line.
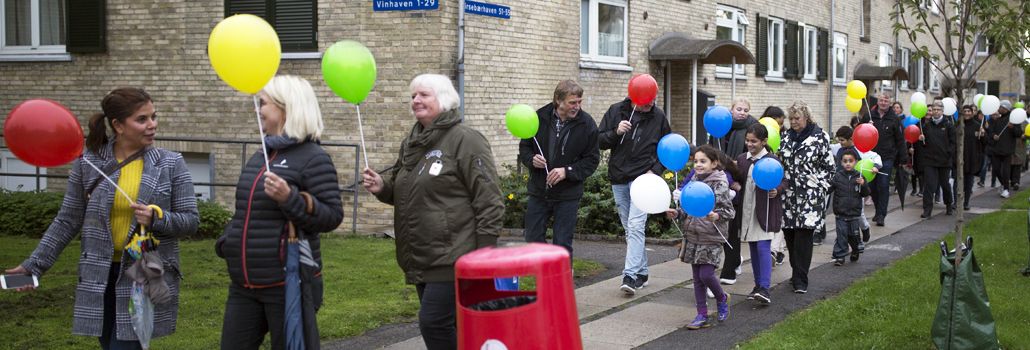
654,317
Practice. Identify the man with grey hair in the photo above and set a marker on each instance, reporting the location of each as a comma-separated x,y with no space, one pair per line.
937,146
561,156
890,147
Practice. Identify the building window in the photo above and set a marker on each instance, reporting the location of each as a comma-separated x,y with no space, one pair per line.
864,20
32,27
296,21
886,59
775,48
904,61
840,57
935,77
981,87
730,24
919,78
983,46
604,22
810,54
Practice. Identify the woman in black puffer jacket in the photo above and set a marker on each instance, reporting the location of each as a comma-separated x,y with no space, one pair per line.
301,189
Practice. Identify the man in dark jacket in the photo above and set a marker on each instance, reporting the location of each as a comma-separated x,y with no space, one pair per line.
848,188
1003,136
567,156
937,145
890,147
632,133
973,155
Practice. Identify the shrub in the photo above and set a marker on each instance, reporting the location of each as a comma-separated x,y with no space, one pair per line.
213,218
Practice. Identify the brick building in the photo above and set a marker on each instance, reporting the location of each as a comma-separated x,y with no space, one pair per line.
76,51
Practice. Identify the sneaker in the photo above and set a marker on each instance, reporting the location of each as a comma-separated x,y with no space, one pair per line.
763,296
737,271
800,290
728,281
965,207
641,281
817,243
879,223
836,262
724,308
865,235
854,256
1004,193
980,184
751,296
868,201
629,285
701,321
949,211
779,258
710,294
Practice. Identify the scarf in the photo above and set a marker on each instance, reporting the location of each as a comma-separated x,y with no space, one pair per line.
799,137
421,138
735,139
278,142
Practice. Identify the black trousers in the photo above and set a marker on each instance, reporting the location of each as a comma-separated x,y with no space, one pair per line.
936,179
732,251
436,316
1000,168
967,188
540,211
799,246
109,338
252,313
1015,175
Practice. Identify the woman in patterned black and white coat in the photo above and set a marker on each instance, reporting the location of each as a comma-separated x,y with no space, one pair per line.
805,151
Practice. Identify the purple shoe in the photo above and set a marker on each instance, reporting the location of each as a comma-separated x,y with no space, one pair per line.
701,321
724,308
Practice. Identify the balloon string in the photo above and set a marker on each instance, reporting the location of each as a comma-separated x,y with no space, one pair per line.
630,125
361,131
261,129
538,148
109,180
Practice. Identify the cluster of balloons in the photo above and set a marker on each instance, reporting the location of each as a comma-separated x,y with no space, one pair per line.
856,93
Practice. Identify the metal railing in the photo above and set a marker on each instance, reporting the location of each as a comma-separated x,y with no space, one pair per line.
244,144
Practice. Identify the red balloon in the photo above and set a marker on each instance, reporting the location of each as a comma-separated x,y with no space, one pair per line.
912,133
643,89
866,136
43,133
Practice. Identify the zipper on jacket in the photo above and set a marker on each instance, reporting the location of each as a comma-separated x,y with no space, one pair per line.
246,224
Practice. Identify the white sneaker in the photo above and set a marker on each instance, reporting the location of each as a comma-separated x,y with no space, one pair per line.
727,281
737,271
1004,193
710,294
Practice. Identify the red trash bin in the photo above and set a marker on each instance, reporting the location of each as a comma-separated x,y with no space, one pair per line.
491,319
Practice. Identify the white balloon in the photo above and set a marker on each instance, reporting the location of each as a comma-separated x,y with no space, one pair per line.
990,104
650,194
976,99
1018,116
949,106
918,97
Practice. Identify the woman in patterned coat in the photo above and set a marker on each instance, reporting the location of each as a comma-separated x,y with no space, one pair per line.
805,151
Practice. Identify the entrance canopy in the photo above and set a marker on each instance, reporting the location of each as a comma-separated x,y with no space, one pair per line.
866,72
675,46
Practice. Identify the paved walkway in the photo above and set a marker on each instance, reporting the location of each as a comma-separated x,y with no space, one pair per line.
654,317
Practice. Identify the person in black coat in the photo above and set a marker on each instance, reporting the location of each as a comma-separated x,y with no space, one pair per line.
890,147
937,148
848,187
974,141
1003,137
568,141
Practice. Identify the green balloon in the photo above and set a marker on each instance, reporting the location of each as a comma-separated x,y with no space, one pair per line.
980,101
774,138
350,70
1017,105
918,109
522,121
865,167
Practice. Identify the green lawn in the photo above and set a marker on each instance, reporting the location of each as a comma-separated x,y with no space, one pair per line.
364,289
894,307
1019,201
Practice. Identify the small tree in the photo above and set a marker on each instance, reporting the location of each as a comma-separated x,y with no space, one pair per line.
961,25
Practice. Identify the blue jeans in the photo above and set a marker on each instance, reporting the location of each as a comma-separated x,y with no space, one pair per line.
847,236
539,211
634,221
761,262
881,190
108,338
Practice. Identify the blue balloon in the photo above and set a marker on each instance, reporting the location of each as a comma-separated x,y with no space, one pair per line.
697,199
718,121
673,151
956,115
910,120
768,173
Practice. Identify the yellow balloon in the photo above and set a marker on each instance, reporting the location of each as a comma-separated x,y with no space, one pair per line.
1027,130
244,50
771,123
856,89
854,104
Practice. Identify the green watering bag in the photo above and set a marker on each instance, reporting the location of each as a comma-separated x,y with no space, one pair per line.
963,319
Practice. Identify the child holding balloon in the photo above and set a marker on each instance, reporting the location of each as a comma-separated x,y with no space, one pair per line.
709,209
761,205
843,136
848,188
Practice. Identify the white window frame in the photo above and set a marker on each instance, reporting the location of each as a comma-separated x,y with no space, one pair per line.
861,19
811,56
935,77
592,54
919,73
738,32
773,45
906,54
840,43
886,59
984,84
35,48
983,46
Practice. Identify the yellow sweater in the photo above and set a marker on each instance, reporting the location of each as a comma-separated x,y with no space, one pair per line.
121,213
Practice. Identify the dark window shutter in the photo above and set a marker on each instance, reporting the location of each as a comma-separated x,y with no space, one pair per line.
790,50
993,87
824,54
926,75
911,70
992,48
802,55
762,46
296,21
86,26
867,10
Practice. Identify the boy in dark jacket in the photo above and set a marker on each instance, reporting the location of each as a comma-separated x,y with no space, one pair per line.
848,188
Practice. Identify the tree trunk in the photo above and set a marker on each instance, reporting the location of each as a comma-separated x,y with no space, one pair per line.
960,178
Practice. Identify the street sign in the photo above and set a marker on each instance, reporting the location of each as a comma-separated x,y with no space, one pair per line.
404,5
485,9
